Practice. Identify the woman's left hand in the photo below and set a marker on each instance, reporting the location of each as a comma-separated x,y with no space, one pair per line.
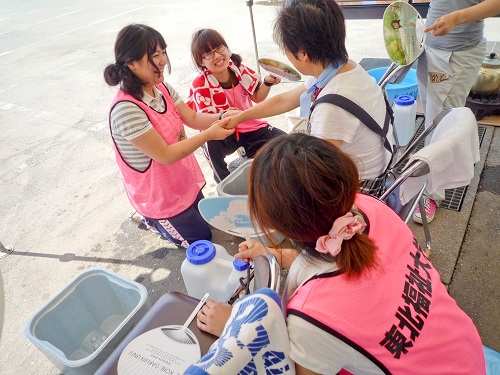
231,112
250,253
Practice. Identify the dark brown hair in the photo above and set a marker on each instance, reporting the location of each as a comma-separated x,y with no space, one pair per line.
206,40
298,186
132,43
314,26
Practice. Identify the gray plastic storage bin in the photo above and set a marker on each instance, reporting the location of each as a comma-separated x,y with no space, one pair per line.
237,182
82,324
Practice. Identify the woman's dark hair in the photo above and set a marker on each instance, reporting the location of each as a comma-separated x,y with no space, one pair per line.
206,40
132,43
316,27
298,186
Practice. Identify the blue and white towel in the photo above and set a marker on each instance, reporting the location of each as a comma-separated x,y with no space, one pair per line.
254,341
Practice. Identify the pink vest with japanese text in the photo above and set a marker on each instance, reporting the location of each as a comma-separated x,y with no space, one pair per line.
161,191
400,315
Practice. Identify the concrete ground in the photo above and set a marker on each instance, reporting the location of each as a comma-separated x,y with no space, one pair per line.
62,204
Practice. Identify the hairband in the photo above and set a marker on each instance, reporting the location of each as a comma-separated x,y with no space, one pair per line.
344,228
121,65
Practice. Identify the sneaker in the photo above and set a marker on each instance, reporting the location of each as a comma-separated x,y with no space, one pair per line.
430,211
150,226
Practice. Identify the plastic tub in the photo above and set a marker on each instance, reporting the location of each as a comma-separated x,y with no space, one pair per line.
84,322
409,85
237,182
296,123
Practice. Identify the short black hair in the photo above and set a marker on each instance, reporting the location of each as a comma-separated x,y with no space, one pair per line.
316,27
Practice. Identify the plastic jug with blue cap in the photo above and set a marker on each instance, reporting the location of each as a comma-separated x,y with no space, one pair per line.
238,272
405,111
209,268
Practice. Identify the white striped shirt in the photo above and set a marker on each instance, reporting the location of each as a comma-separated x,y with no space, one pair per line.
128,121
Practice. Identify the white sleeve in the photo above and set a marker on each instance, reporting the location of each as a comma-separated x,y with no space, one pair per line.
313,348
321,352
309,81
331,122
173,94
129,121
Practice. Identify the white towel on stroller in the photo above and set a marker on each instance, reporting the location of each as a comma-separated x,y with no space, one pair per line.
451,153
254,341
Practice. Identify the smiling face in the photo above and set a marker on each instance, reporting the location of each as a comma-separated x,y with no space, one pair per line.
150,69
217,60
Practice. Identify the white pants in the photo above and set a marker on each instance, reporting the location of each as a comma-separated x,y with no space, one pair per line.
445,78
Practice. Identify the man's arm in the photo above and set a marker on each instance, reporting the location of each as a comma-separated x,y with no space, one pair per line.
446,23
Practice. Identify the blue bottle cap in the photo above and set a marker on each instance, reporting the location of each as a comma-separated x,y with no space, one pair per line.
240,265
200,252
404,100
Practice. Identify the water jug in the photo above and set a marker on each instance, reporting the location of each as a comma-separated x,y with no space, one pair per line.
238,272
405,110
209,268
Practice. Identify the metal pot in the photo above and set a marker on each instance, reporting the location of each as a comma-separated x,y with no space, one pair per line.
488,79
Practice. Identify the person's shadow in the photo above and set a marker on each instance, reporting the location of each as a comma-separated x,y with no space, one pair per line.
161,265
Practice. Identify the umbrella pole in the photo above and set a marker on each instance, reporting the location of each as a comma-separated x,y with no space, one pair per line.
249,4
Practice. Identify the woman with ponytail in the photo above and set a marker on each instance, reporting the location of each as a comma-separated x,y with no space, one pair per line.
162,178
360,295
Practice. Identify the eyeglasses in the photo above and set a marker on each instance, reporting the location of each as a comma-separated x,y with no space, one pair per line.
210,55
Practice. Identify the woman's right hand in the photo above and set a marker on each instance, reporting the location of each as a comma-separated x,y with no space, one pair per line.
213,317
219,130
443,25
250,253
234,120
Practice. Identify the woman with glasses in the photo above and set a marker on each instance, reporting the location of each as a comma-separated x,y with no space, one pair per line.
223,83
162,178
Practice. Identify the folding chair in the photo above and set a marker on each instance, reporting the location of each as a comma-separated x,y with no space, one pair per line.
417,168
391,197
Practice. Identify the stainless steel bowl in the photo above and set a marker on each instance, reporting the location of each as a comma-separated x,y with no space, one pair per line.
488,79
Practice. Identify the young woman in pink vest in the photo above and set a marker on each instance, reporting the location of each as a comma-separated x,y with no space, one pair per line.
361,295
162,178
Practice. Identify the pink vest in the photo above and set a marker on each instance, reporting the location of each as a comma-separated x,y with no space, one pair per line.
400,316
241,98
161,191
